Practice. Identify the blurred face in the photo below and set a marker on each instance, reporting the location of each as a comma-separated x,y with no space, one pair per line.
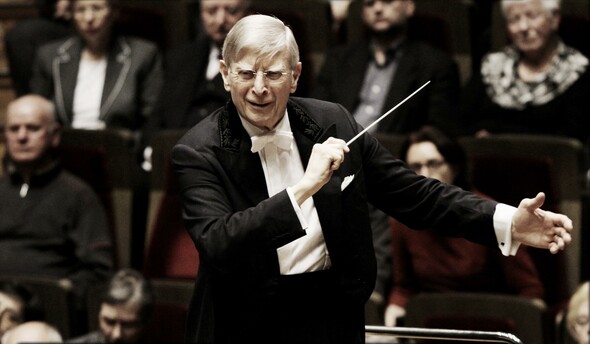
219,16
29,131
530,26
383,15
261,99
94,20
581,326
120,323
425,159
11,312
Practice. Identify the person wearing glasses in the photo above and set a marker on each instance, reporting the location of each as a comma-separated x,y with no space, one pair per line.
275,200
426,261
536,84
99,78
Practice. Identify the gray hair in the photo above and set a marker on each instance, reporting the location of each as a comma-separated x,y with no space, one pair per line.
130,286
263,35
549,5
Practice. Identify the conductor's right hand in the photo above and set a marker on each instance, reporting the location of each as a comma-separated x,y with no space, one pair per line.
324,160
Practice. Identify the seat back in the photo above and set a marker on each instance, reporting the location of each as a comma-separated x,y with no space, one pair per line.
115,148
170,252
169,318
510,167
522,317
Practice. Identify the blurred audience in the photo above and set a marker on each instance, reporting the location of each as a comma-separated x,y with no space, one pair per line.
193,87
537,84
426,262
125,310
17,305
370,77
51,223
23,40
577,314
99,78
32,332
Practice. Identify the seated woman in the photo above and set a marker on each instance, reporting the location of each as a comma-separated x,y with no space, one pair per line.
99,78
536,85
426,262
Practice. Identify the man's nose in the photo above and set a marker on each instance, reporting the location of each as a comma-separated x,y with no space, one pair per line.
259,83
116,332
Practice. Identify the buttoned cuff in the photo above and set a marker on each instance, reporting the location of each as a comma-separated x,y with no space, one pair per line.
503,229
297,208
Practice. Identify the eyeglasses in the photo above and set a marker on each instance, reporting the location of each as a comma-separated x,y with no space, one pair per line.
432,165
246,75
370,3
581,321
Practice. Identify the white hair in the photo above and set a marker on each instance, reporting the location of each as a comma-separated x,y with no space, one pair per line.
549,5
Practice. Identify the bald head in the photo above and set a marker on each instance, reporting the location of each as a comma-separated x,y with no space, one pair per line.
32,332
31,129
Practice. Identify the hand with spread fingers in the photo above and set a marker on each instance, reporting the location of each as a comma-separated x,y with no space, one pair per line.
540,228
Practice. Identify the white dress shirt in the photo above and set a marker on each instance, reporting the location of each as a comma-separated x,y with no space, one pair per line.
283,168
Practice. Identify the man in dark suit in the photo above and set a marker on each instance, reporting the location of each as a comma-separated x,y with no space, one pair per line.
370,77
192,84
275,200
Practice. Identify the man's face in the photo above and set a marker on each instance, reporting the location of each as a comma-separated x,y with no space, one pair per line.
530,26
261,100
120,323
11,312
29,132
219,16
382,15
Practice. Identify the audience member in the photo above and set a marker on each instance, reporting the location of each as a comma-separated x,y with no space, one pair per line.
380,73
32,332
577,314
125,309
368,78
98,78
23,40
425,261
281,223
17,305
193,87
51,223
536,85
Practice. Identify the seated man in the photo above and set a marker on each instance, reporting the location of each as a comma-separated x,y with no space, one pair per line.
126,307
51,223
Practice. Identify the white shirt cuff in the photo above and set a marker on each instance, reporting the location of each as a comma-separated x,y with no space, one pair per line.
297,209
503,229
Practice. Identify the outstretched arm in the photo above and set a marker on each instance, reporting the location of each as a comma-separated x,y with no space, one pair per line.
535,227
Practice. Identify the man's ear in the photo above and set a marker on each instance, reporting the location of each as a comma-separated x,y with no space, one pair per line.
224,70
56,135
295,76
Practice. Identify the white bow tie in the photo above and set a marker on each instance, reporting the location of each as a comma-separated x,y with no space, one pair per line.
280,138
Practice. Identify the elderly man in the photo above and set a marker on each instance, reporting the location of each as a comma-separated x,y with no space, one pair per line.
51,223
275,200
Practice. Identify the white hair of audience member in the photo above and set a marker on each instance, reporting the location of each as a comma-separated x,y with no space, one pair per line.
549,5
32,332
